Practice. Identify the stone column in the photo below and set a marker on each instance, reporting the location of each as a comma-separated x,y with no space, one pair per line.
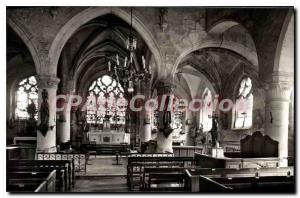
145,124
277,113
47,142
164,137
64,123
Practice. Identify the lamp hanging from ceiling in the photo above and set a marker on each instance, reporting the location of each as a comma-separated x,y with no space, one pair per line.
127,72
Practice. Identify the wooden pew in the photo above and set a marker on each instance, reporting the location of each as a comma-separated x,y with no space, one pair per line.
258,184
67,164
44,182
239,180
166,182
20,152
60,174
155,172
38,165
136,165
123,149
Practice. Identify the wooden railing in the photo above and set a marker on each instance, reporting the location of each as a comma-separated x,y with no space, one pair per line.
186,151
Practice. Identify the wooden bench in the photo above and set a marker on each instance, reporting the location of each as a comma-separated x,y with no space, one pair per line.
162,170
165,182
136,165
258,184
65,172
61,185
42,182
20,152
122,149
244,180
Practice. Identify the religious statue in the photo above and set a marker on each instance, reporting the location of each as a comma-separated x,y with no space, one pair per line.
31,110
31,122
214,131
167,129
44,114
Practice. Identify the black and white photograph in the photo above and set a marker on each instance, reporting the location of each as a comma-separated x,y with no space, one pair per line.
150,99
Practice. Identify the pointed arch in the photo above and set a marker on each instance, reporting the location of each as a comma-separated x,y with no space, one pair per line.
28,40
90,13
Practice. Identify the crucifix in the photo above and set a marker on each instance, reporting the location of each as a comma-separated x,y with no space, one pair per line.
245,115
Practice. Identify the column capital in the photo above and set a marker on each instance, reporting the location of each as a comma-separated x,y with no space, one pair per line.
283,78
279,89
164,87
279,92
47,81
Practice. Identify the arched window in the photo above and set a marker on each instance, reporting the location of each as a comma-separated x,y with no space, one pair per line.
242,111
27,92
106,98
206,110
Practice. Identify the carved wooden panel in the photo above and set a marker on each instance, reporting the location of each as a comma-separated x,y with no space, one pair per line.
257,145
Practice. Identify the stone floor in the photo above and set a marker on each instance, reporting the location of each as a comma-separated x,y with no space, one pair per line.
101,184
106,166
103,175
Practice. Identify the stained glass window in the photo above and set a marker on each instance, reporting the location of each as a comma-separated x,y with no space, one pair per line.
106,98
242,111
27,92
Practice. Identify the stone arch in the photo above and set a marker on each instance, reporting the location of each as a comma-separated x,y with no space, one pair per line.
284,55
90,13
203,77
210,41
28,40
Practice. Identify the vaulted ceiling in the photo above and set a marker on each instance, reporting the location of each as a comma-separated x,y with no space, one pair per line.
215,69
87,53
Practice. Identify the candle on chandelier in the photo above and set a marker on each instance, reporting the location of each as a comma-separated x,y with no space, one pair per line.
144,62
131,57
109,66
117,57
125,62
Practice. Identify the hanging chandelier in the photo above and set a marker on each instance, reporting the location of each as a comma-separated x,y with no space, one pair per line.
126,73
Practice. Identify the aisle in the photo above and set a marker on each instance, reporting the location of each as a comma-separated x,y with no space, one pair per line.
101,184
102,175
104,166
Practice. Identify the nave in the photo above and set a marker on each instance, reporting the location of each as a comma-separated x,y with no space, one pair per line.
150,99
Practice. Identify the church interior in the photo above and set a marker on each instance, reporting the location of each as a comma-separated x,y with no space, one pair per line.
150,99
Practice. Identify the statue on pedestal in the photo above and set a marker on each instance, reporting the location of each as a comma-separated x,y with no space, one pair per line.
44,114
214,132
31,122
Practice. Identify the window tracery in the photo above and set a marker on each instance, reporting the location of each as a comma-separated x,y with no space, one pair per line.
244,105
106,98
27,92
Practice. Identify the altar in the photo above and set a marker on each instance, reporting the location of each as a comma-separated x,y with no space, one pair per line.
109,137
